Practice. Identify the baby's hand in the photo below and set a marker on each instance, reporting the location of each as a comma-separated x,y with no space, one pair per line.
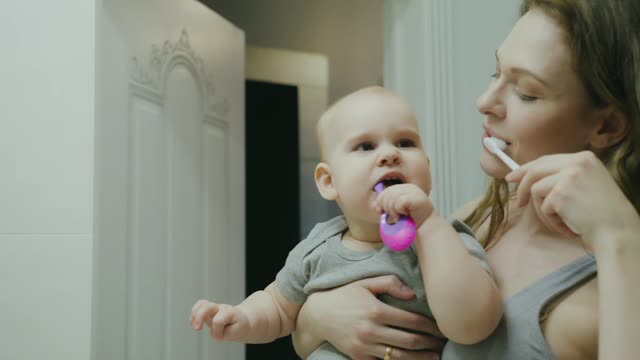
405,199
225,321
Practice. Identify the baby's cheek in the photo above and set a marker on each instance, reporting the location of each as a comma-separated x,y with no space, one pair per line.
425,185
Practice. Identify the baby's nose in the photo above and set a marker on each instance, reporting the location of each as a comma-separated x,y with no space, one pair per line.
388,155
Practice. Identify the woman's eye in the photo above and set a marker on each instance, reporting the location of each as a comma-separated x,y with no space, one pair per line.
406,143
526,98
365,147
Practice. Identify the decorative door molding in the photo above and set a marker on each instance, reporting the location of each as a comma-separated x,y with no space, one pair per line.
150,79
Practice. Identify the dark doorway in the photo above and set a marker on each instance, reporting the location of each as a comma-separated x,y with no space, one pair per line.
272,203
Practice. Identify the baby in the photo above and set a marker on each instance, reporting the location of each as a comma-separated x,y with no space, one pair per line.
367,137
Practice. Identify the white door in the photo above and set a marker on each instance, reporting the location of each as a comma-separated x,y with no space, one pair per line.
169,177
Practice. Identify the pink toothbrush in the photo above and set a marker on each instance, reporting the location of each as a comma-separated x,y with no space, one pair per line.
400,235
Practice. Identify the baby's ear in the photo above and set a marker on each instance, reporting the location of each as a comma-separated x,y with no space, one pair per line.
324,182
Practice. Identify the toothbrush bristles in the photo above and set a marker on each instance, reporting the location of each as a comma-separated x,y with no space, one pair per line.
497,146
500,144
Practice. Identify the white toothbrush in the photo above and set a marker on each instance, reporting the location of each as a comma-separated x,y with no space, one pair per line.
496,146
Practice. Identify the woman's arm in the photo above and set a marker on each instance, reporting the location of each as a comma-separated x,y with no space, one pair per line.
574,193
363,326
618,258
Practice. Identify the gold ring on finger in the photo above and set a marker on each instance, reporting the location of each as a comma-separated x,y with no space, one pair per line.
387,354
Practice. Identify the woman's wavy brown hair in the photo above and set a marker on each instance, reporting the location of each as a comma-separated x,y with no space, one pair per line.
604,38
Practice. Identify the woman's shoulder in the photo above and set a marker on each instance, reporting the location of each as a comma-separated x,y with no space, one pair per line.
571,327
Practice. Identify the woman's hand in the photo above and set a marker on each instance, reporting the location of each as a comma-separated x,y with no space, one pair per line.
358,324
575,191
574,194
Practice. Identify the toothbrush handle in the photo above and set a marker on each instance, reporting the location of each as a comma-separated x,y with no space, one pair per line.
400,235
507,160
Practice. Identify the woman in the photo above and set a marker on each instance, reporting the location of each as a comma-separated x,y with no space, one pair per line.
566,99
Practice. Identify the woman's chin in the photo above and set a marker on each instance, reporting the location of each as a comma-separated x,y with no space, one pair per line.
493,166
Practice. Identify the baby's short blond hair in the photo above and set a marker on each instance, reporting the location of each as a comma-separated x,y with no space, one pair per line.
334,111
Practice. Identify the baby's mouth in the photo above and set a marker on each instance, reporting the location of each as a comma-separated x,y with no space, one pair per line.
383,184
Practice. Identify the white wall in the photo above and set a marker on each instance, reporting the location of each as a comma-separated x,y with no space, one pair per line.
478,29
440,54
348,32
46,187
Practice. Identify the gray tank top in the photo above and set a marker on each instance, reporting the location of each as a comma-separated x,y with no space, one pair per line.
518,335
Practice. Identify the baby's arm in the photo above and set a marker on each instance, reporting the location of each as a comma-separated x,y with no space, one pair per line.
262,317
462,295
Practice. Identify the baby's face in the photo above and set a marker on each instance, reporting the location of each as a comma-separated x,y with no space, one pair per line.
371,138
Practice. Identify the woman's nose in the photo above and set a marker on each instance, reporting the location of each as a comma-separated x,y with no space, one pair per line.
389,155
491,102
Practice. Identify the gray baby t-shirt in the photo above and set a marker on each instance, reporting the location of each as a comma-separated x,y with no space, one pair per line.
321,262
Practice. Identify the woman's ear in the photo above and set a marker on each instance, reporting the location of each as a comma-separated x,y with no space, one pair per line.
324,182
612,128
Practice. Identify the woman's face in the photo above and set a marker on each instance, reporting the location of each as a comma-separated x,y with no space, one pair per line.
536,102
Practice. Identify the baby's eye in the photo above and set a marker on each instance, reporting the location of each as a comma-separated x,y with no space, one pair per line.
406,143
365,147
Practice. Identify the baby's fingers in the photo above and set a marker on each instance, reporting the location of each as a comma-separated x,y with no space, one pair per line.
203,314
395,205
220,320
385,203
194,312
197,305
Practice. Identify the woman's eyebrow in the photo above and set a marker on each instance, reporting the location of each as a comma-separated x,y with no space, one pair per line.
519,70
